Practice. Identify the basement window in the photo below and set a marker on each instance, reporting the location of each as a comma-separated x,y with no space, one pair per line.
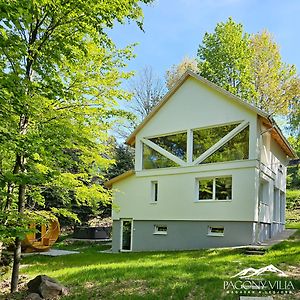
160,229
215,231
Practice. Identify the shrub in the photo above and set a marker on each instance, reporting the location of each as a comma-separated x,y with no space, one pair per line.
292,199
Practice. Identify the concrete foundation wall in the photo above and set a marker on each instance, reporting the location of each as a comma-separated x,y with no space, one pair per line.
183,235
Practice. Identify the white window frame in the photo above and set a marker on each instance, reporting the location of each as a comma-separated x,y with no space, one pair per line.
154,200
276,205
214,189
210,233
121,235
241,125
164,152
158,232
264,190
221,142
282,199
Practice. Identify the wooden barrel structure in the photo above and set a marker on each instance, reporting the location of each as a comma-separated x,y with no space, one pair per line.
43,238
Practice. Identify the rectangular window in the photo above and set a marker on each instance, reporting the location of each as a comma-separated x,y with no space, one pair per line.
215,230
154,191
276,205
264,192
160,229
219,188
282,207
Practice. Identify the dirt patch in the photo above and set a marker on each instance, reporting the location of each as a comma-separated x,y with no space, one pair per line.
5,288
130,287
293,271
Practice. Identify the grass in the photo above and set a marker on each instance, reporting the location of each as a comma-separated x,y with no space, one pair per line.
159,275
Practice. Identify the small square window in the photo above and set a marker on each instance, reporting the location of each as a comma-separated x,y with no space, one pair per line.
219,188
154,191
160,229
215,230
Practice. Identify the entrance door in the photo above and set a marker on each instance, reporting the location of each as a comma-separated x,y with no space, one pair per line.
126,235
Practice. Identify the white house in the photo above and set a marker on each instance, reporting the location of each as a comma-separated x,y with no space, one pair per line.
210,171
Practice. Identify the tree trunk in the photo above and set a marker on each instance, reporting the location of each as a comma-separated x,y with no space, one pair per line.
16,266
17,250
1,246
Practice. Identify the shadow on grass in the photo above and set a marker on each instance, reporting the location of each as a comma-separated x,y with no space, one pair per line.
157,275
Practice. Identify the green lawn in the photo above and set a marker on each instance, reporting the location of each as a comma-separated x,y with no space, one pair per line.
159,275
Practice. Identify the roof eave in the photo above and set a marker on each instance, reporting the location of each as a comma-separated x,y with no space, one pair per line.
118,178
131,139
293,152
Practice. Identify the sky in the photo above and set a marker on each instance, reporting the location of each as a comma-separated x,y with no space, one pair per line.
174,29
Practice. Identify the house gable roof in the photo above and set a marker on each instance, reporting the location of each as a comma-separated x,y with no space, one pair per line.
275,131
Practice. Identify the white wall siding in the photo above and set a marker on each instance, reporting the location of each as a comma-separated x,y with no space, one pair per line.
177,197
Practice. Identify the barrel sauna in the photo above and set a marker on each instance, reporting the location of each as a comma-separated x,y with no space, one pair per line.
43,238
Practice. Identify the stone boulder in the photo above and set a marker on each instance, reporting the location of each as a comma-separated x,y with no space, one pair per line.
33,296
46,287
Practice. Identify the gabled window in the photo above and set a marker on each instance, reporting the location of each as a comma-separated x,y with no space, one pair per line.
235,149
153,160
204,138
206,145
215,189
175,143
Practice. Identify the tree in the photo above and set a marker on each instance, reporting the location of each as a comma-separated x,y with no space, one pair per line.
249,67
147,90
294,118
123,157
293,171
59,75
276,84
225,59
176,71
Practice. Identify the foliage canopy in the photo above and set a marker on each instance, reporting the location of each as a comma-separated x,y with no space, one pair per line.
60,77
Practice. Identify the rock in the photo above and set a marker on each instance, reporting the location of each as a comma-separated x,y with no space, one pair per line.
46,287
33,296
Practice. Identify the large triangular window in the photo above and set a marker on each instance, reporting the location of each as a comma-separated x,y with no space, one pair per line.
205,138
199,146
153,159
175,144
235,149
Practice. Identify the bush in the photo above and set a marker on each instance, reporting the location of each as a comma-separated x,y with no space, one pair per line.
292,199
293,205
